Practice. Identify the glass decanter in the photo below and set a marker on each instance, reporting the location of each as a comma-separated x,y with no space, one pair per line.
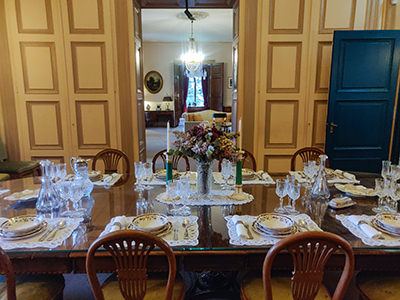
81,170
320,188
47,199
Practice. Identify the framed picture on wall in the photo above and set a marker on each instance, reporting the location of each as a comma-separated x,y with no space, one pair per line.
153,82
230,82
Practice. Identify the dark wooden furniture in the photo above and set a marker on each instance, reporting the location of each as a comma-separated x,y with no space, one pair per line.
112,159
159,118
306,154
310,251
175,160
130,251
248,162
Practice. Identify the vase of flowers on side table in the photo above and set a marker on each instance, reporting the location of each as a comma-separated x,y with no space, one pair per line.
204,143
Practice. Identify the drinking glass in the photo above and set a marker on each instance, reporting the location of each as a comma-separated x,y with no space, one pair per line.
227,172
280,190
395,170
183,188
61,171
310,170
148,173
386,169
379,191
294,194
62,189
139,172
172,192
394,197
72,190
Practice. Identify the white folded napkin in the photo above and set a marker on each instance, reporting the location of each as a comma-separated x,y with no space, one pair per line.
368,230
119,223
240,229
4,191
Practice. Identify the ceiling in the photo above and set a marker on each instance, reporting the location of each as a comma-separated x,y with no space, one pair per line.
162,25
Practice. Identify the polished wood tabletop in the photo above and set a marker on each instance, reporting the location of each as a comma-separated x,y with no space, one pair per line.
213,233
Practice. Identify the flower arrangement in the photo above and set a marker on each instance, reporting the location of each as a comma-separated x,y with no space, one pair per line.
204,143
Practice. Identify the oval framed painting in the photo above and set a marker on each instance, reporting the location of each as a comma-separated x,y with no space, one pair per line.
153,82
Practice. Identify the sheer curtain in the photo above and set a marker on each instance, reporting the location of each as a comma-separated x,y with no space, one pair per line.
185,84
204,85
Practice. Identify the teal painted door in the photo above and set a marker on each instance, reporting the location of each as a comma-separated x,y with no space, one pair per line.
364,72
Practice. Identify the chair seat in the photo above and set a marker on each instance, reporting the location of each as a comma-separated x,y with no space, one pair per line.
10,166
4,176
379,286
156,285
252,289
38,287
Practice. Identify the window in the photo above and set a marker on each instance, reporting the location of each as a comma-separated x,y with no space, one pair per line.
195,97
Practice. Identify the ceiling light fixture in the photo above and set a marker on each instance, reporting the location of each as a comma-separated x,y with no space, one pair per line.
192,58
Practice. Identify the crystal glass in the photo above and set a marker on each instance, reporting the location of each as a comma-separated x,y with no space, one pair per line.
320,188
147,174
47,201
183,191
293,193
386,169
172,192
227,172
62,188
379,191
394,196
61,171
310,170
82,177
280,190
139,173
395,171
76,192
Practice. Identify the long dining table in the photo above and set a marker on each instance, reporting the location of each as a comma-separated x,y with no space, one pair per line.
213,252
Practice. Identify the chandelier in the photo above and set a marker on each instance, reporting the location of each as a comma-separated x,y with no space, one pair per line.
192,58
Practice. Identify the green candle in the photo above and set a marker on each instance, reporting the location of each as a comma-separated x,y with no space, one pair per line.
169,171
239,165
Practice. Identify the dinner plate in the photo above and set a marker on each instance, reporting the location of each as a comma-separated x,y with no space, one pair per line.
248,174
388,221
379,227
160,232
20,225
275,222
150,222
94,175
42,227
262,232
355,190
162,174
25,195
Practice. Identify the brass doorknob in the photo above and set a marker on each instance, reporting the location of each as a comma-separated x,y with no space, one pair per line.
332,127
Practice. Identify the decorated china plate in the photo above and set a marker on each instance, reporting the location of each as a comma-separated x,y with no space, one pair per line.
20,225
150,222
162,174
355,190
25,195
10,237
275,222
378,226
159,232
389,221
261,231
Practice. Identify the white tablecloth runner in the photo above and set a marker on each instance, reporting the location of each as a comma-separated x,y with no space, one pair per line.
218,197
193,230
384,240
266,179
259,240
300,177
33,242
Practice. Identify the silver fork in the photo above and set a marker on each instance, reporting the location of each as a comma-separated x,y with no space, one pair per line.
247,228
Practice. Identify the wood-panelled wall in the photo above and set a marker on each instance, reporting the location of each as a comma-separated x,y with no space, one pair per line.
64,67
293,60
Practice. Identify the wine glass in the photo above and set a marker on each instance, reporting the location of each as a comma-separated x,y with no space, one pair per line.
280,190
386,169
61,171
227,172
139,172
183,187
172,192
395,170
379,191
294,194
62,189
394,197
148,173
73,191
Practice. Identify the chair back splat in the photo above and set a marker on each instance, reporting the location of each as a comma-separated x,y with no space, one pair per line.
130,250
175,160
306,154
310,251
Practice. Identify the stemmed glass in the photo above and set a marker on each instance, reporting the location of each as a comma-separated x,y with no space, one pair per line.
310,170
394,195
71,190
227,172
294,194
148,173
172,192
380,192
62,189
139,173
61,171
183,187
386,169
280,190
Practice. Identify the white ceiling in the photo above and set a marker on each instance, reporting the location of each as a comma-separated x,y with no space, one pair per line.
162,25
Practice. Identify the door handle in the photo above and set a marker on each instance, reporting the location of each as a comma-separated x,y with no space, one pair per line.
332,127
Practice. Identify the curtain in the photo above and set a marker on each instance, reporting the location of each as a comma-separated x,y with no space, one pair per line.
185,82
204,85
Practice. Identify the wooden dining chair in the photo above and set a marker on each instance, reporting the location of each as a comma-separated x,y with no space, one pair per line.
248,162
306,154
130,250
310,251
111,159
44,287
175,160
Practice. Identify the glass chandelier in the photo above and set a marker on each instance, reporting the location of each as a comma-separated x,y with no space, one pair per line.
193,59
